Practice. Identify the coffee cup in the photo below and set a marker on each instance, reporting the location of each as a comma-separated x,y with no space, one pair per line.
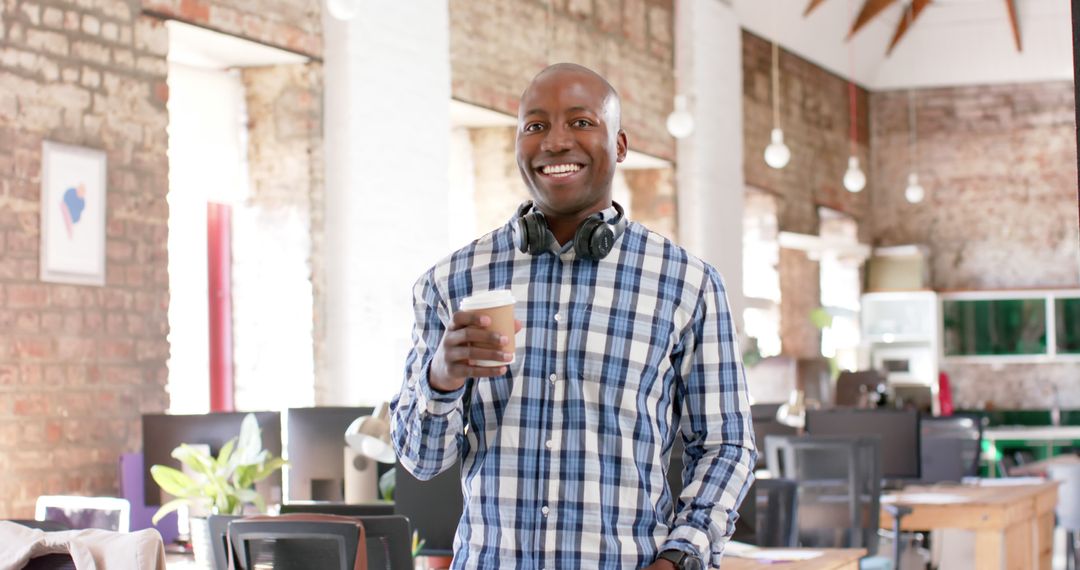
497,304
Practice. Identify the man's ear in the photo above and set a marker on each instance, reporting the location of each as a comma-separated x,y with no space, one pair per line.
621,146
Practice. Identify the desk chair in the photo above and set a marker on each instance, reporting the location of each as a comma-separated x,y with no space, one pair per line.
295,542
950,447
75,512
385,544
768,515
839,487
343,509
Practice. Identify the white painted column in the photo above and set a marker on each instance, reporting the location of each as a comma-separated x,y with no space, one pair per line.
708,58
387,127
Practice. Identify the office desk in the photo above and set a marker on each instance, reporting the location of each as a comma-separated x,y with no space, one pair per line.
1013,525
831,559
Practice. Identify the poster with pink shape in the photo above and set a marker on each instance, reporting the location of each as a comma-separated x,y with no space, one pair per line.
73,191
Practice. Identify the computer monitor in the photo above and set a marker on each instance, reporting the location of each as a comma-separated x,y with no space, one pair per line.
314,446
164,432
433,507
898,429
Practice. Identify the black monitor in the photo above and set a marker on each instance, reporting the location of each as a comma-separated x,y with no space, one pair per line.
433,507
161,433
898,429
314,446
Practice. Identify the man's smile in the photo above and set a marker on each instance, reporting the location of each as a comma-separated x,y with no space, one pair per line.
560,170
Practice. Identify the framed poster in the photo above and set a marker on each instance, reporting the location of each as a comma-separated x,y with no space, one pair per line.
72,214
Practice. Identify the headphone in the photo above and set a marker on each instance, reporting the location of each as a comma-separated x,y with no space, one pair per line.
593,239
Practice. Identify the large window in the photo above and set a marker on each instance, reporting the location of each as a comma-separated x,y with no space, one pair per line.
1011,325
840,288
761,276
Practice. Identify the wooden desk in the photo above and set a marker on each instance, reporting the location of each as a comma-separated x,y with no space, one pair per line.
832,559
1013,525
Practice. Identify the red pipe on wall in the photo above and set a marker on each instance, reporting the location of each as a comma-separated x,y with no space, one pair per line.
219,261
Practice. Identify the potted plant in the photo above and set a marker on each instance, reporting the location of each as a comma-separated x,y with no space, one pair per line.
218,486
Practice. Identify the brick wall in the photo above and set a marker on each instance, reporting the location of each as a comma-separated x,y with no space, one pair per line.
497,47
79,365
814,114
999,167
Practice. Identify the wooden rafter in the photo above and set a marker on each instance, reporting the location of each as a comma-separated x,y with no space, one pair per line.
911,13
870,9
1011,5
810,7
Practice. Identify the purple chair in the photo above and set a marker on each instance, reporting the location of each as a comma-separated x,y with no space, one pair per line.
132,483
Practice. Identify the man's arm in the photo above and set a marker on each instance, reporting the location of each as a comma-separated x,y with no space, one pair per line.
425,424
426,416
720,454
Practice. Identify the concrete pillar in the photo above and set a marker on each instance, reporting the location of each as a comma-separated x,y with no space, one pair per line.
708,61
387,127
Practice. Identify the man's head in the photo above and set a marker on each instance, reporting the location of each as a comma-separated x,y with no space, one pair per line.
568,140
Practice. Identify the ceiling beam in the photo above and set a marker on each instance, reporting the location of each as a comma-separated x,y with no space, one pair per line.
870,9
1011,5
810,7
911,12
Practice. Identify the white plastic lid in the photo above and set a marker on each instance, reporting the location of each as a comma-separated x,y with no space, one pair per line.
488,299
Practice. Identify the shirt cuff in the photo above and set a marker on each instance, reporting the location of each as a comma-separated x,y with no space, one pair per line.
434,402
692,541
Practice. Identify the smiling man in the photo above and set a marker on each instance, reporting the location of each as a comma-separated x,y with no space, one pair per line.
627,343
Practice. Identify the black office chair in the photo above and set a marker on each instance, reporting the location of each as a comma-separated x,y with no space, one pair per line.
47,526
342,509
300,541
950,447
219,538
768,515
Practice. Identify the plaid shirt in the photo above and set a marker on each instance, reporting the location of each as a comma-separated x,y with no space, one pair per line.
564,458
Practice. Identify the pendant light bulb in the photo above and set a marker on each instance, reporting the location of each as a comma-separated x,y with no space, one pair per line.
343,10
854,179
680,123
914,191
777,154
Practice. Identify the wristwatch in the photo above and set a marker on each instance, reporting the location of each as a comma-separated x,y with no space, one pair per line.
682,560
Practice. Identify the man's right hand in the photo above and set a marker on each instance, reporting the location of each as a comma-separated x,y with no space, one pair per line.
467,340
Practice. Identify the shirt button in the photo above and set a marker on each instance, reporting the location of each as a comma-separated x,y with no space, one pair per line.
558,317
545,510
553,378
548,444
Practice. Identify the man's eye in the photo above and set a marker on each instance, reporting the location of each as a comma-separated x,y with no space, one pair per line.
582,123
533,127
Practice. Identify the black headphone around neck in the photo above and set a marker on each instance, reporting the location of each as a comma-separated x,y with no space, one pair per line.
593,239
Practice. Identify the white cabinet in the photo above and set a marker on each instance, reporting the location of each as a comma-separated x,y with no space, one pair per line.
900,336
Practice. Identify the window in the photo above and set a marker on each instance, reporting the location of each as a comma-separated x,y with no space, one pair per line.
840,288
1067,317
1011,325
761,277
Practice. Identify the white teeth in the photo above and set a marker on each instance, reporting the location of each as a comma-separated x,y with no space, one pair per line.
561,168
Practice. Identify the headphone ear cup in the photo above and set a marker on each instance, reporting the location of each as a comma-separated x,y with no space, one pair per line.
534,235
593,239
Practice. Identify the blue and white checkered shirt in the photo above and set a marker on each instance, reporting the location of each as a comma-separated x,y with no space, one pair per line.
564,459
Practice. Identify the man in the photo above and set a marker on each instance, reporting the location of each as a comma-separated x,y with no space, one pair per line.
627,340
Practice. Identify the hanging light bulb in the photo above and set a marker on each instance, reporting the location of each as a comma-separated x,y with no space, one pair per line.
343,10
914,191
680,123
854,179
777,154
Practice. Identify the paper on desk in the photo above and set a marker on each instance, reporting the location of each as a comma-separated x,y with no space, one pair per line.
743,550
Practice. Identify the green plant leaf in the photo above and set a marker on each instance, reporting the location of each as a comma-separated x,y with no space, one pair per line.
167,507
226,453
266,469
249,446
172,481
195,458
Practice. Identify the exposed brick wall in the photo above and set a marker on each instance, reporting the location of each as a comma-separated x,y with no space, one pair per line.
814,114
652,199
800,290
497,47
498,185
295,25
999,167
78,365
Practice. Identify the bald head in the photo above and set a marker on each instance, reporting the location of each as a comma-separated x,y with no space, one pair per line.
555,73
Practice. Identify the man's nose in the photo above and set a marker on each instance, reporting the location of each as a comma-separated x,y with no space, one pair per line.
557,139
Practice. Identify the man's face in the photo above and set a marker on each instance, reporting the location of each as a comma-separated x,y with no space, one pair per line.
568,142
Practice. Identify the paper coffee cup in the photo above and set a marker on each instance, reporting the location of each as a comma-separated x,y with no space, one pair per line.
499,305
